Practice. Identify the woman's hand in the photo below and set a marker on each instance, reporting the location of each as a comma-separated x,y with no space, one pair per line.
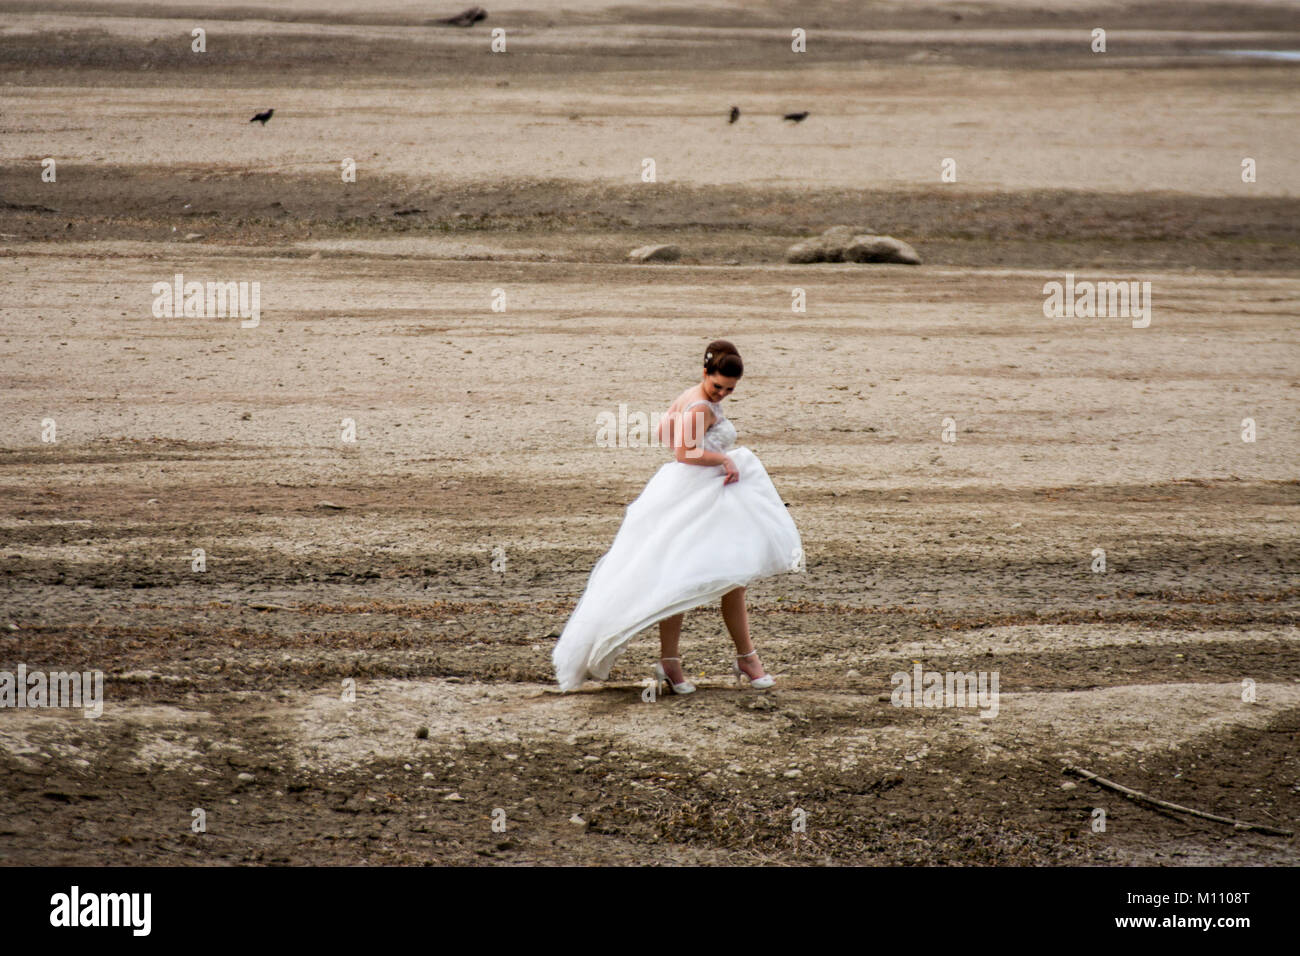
733,474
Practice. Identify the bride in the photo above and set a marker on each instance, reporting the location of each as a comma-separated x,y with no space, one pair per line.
706,525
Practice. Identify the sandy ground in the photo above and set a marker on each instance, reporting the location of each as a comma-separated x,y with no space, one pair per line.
1113,125
370,564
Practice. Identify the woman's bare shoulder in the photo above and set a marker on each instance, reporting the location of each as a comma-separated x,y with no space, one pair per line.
684,399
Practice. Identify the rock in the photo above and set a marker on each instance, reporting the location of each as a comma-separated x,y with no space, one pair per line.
792,774
851,244
828,247
867,248
801,252
577,821
454,798
245,778
1069,785
816,249
422,733
661,253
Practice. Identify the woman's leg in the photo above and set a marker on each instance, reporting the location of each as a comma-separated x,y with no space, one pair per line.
670,632
737,619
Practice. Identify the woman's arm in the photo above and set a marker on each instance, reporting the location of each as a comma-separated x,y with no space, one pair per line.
685,438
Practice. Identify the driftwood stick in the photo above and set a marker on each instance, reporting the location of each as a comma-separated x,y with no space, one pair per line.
1164,804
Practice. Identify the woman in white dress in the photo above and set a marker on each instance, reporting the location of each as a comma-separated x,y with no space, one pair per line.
706,525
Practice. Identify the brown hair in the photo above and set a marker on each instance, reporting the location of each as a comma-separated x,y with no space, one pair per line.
721,358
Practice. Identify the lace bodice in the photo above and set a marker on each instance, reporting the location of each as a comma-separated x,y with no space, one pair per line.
721,435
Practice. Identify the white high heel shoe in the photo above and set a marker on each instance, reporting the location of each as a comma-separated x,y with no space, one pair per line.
761,683
685,687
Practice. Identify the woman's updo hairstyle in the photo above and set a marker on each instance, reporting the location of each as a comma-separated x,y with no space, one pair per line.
721,358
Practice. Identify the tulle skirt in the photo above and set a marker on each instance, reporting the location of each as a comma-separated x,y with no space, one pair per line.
685,541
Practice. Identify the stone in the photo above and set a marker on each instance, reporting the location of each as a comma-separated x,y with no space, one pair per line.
659,253
817,249
867,248
851,244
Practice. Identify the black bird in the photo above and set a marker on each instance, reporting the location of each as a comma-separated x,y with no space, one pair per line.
262,117
466,18
796,117
735,114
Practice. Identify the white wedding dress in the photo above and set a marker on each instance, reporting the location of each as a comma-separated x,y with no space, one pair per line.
686,540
